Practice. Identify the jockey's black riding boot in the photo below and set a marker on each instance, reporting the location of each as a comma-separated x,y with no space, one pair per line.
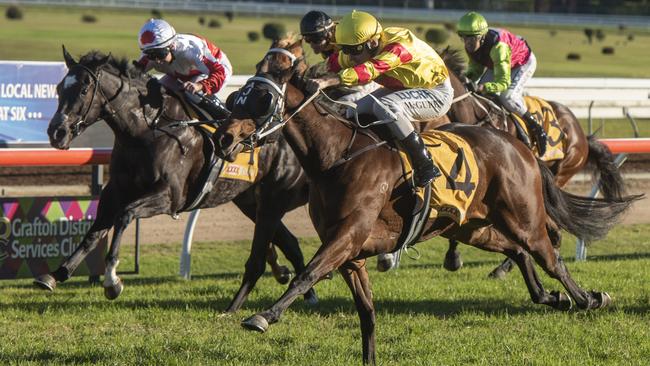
536,132
214,106
424,170
521,134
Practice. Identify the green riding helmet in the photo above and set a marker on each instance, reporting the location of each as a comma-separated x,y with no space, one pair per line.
472,24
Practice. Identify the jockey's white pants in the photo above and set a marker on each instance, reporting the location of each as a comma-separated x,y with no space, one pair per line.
401,108
513,97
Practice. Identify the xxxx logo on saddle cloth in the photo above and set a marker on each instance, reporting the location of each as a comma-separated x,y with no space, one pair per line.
452,193
545,116
245,166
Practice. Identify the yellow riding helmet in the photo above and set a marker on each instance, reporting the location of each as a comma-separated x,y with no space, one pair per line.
356,28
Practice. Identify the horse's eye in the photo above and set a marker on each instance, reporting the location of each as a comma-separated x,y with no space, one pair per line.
84,90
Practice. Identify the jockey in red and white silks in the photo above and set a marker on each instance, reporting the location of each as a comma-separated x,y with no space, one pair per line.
198,64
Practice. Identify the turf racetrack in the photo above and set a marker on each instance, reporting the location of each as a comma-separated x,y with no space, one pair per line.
425,315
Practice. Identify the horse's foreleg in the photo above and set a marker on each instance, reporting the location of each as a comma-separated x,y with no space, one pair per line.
356,276
106,212
153,204
330,256
288,243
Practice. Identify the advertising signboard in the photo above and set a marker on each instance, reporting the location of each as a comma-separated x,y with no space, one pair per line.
28,100
37,233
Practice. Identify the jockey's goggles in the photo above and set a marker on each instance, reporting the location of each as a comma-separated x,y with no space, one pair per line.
470,37
157,53
315,38
352,49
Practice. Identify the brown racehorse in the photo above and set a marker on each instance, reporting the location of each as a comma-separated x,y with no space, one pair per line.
579,150
360,208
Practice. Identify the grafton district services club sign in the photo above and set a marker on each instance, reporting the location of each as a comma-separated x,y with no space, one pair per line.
38,233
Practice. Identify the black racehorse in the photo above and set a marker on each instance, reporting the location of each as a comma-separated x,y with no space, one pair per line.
159,169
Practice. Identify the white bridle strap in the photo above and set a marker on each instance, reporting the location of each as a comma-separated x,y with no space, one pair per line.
291,56
267,81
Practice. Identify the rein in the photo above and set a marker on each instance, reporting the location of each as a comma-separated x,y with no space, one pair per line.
76,127
275,121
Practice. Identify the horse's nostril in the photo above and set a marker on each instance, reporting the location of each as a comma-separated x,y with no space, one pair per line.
225,140
59,133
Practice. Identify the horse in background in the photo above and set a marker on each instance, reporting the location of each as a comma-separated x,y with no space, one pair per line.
580,151
160,167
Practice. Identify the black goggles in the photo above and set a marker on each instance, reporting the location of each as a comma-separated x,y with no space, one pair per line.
316,38
157,53
353,49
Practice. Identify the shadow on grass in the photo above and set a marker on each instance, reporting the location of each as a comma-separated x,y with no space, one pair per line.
440,308
52,358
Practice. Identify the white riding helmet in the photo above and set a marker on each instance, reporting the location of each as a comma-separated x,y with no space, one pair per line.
156,33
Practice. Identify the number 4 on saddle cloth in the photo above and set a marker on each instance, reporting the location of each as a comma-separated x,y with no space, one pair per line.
452,193
544,115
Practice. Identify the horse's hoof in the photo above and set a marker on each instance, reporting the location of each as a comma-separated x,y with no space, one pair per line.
45,282
602,298
385,262
256,322
283,276
311,298
113,291
497,274
452,262
564,302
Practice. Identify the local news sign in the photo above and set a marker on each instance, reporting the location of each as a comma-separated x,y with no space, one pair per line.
28,99
38,233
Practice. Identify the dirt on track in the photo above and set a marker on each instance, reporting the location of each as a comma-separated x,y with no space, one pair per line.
226,222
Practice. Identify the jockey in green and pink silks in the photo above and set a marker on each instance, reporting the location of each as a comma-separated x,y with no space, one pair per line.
503,63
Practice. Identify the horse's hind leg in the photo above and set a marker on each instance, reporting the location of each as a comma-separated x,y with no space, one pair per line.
530,229
492,239
281,273
452,262
356,276
502,269
106,212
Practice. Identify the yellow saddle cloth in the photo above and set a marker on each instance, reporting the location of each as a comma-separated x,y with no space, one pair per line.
545,116
452,193
245,166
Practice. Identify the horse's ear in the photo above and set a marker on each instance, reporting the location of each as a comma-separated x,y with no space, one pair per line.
295,45
69,61
104,60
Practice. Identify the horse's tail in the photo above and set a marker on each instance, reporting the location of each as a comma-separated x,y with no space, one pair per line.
587,218
601,161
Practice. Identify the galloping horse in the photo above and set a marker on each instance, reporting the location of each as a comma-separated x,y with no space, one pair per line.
361,206
579,150
158,169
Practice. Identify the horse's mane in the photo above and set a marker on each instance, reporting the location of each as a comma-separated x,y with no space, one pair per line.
122,65
454,60
286,41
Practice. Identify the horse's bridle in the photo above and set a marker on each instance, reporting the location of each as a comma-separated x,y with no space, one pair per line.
274,121
77,126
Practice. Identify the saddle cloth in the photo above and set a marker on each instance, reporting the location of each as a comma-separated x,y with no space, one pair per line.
245,166
452,193
545,116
